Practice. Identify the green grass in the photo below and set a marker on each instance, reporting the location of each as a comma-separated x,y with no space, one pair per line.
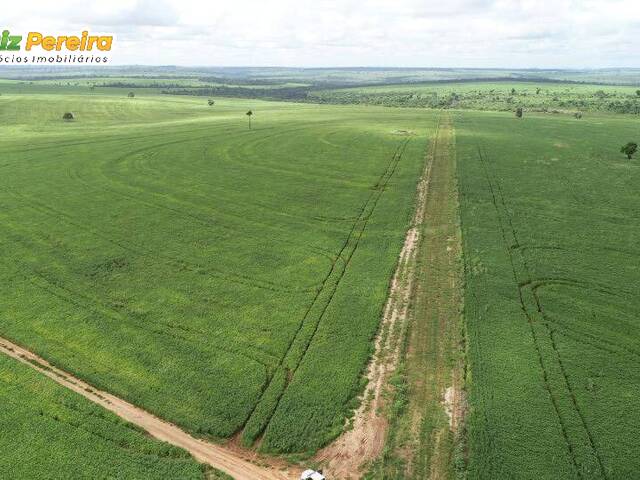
50,432
550,228
214,275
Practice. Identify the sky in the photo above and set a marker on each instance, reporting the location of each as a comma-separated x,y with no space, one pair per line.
341,33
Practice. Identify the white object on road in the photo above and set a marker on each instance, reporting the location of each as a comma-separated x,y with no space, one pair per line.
312,475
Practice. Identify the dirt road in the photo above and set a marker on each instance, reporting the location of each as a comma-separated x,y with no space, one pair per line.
229,461
346,457
428,433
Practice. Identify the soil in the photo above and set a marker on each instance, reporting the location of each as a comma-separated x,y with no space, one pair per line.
358,446
235,463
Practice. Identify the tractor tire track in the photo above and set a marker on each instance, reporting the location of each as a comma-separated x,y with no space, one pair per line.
142,251
547,325
232,462
580,461
508,248
355,234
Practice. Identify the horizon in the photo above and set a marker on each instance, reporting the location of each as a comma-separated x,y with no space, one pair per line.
322,67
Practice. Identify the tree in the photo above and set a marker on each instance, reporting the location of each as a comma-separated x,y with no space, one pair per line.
578,115
131,95
249,114
638,93
513,91
629,149
68,116
538,90
519,112
211,102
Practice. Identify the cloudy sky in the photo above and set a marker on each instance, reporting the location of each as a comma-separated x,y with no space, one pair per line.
311,33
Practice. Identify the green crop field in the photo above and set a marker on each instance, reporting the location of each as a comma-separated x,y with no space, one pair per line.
49,432
231,280
550,229
227,279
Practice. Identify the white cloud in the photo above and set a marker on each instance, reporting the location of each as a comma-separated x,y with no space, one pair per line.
473,33
141,13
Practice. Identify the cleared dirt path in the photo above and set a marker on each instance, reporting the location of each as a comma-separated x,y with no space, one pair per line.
348,455
422,340
429,433
229,461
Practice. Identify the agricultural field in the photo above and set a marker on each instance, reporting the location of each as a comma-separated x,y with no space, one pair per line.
550,225
229,273
46,429
548,216
227,279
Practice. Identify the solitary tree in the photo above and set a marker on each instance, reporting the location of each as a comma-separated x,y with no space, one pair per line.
638,93
578,115
131,95
513,91
538,90
629,149
249,114
519,112
211,102
68,116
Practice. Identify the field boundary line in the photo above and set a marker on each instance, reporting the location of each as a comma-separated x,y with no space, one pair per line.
217,456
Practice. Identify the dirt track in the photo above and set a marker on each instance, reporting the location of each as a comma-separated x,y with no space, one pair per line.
429,431
346,457
229,461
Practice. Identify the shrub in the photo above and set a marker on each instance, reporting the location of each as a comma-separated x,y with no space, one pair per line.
629,149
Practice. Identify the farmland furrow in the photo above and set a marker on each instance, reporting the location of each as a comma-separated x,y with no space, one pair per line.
575,429
117,139
288,366
232,462
103,311
126,244
587,468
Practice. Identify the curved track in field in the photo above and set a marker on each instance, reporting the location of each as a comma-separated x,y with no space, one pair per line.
229,461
